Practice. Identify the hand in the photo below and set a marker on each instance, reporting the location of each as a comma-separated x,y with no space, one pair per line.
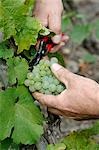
79,100
49,13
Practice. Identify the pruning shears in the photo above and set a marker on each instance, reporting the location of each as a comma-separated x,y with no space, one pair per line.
44,44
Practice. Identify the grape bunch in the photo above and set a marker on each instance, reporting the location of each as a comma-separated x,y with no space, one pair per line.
42,79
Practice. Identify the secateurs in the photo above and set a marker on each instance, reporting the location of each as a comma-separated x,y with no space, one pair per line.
44,44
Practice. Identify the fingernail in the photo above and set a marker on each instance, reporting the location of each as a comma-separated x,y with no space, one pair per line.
65,38
57,39
55,67
62,44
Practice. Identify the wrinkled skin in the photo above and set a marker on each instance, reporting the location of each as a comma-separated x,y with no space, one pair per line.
49,13
79,100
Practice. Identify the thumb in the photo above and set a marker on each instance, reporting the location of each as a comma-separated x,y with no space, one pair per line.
47,100
61,73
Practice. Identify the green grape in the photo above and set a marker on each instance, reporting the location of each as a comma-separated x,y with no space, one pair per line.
45,85
52,87
43,73
48,72
56,82
27,82
53,60
31,82
47,92
50,80
41,78
42,67
38,85
41,62
45,78
36,70
32,89
47,63
42,91
37,77
30,75
60,88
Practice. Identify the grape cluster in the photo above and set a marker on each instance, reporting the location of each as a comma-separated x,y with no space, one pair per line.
41,79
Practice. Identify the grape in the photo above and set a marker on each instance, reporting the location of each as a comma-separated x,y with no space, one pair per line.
41,78
37,77
50,79
31,82
30,75
53,60
56,82
45,78
38,85
52,87
43,73
32,89
42,91
47,92
60,88
45,85
27,82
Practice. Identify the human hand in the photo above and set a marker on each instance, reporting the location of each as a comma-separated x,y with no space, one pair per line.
49,13
79,100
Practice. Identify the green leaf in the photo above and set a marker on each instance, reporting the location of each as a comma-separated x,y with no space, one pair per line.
18,111
28,119
80,32
8,144
21,69
5,52
28,35
15,21
66,24
44,31
83,140
89,58
96,27
17,69
58,146
25,130
11,71
7,100
26,98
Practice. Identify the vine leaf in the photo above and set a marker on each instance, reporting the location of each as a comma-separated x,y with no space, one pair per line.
16,22
25,129
7,100
8,144
17,69
80,32
5,52
83,140
20,114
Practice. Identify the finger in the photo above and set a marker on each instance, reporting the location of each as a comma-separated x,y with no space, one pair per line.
61,73
55,111
48,100
42,18
55,23
57,38
57,47
65,38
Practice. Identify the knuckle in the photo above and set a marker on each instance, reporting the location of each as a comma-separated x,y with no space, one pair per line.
57,29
